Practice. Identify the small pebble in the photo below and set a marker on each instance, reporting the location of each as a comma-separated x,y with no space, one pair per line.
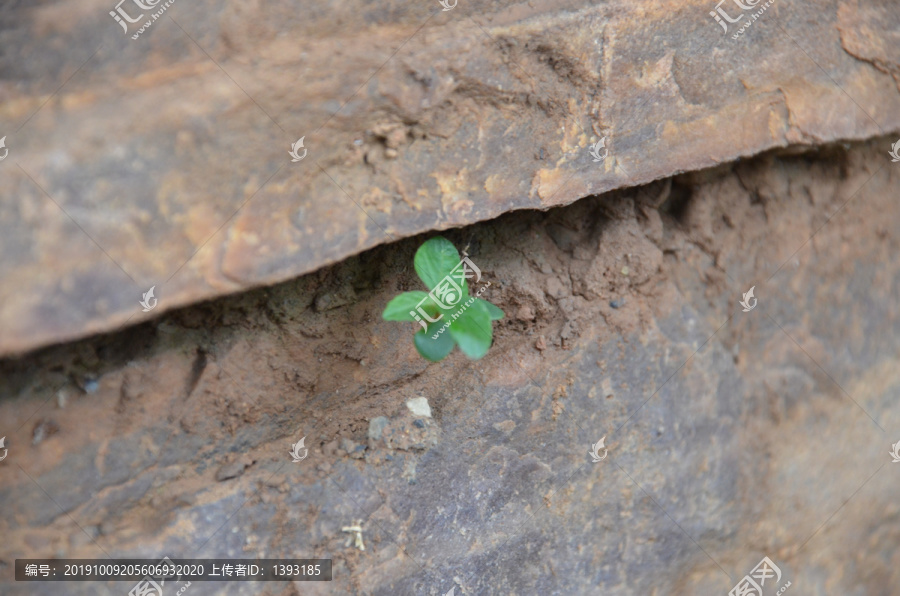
232,470
42,430
347,445
419,423
617,303
376,427
330,447
91,385
419,407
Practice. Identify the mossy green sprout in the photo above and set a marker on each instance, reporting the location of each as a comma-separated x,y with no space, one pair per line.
447,319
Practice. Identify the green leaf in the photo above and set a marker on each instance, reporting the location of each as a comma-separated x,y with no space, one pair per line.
472,331
434,350
493,312
398,309
434,260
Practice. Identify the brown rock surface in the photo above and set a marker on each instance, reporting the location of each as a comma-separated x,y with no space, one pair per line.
163,160
730,435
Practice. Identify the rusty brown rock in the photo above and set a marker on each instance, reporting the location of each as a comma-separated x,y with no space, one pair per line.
731,435
163,160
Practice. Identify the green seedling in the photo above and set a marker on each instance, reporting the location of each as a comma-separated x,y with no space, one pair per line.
448,315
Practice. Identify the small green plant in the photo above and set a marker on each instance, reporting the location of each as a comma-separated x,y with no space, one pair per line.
467,323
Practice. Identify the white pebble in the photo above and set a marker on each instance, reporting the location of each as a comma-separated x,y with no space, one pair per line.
419,406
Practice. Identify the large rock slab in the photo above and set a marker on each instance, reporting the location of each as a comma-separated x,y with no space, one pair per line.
162,161
729,435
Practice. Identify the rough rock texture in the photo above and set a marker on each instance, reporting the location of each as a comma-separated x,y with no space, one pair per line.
731,435
163,160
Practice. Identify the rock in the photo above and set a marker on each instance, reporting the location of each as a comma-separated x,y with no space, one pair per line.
42,430
274,481
550,64
376,427
711,457
348,446
419,407
331,447
525,313
233,470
